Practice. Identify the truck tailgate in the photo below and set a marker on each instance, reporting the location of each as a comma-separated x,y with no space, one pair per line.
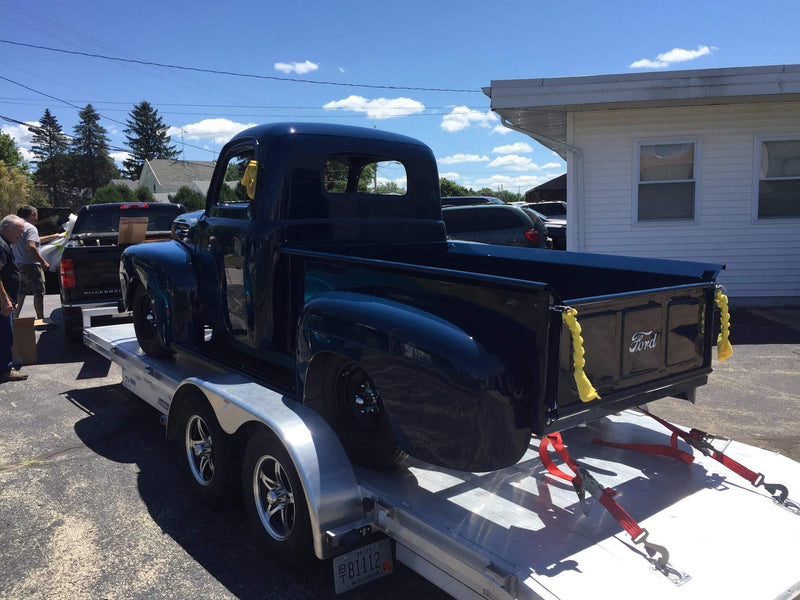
639,346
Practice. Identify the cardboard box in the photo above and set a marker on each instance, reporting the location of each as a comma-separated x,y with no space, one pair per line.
132,230
23,352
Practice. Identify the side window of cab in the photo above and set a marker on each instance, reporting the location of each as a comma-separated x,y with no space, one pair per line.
233,194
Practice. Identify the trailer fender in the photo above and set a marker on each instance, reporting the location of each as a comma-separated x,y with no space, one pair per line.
438,383
331,490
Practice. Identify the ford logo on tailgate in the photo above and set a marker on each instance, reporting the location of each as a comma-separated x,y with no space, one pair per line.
643,340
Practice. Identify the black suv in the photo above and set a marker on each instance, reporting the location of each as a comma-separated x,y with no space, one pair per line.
495,224
470,201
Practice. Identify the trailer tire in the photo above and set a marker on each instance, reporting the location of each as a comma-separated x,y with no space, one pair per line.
275,501
356,413
144,324
211,455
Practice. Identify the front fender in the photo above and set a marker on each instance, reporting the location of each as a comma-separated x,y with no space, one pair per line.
450,401
166,270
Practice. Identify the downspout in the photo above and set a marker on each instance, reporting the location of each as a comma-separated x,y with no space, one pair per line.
575,226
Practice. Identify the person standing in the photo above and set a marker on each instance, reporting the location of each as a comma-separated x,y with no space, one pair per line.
30,261
11,229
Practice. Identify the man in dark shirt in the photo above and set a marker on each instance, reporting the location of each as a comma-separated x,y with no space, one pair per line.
11,228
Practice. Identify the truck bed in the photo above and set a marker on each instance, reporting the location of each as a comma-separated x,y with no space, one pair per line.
520,533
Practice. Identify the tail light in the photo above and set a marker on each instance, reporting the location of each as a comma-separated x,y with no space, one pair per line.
67,274
532,235
125,205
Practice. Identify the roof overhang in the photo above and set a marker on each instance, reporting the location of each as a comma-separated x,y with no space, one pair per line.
539,107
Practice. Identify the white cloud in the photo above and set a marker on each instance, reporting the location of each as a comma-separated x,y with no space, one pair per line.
26,154
463,117
217,130
21,135
379,108
520,183
120,157
517,148
462,158
675,55
514,162
451,175
296,67
501,129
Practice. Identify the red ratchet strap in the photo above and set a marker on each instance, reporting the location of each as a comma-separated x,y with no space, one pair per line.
701,441
583,481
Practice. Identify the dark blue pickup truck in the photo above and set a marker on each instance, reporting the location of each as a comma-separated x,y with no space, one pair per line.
321,267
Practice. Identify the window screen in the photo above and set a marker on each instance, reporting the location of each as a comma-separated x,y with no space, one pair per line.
666,181
779,179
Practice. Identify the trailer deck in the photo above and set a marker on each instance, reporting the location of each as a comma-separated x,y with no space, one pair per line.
521,533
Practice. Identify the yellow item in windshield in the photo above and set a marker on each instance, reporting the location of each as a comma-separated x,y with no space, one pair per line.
249,179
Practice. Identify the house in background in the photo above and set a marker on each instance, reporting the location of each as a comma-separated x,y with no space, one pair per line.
696,165
554,190
164,176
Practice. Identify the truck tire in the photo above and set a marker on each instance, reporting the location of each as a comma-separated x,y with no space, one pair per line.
144,324
275,501
212,461
73,325
356,413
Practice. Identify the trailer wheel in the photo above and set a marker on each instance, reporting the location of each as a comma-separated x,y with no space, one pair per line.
275,501
144,324
356,413
211,455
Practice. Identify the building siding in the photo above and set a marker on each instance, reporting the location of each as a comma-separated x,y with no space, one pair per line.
762,256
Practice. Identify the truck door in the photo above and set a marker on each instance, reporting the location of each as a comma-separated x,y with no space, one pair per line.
225,239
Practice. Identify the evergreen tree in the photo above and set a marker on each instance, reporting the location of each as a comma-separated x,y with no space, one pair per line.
147,138
49,146
92,165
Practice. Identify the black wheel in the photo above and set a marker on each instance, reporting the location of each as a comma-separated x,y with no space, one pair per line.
275,501
355,411
144,324
73,325
211,455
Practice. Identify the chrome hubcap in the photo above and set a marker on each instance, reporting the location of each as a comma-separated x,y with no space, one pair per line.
199,450
274,497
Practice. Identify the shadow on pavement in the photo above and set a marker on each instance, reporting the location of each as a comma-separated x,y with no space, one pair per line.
748,328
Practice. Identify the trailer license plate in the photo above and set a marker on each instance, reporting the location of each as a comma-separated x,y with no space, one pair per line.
362,565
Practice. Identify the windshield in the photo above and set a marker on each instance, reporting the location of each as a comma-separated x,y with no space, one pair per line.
106,220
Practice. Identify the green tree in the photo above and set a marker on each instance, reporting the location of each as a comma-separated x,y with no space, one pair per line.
49,146
113,192
10,154
449,188
191,199
92,165
147,139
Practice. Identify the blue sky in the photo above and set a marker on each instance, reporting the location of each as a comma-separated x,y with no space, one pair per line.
437,45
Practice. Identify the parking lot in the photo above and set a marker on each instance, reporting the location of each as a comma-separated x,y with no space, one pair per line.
91,505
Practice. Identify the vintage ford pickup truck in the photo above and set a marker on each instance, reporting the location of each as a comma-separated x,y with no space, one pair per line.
321,267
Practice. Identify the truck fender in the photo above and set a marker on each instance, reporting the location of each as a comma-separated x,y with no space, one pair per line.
439,384
166,271
243,406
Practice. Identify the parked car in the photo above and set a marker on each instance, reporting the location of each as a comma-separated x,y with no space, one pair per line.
470,201
555,217
495,224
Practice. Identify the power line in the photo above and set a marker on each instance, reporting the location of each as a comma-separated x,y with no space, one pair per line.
235,74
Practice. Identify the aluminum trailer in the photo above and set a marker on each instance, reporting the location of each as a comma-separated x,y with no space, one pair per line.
517,532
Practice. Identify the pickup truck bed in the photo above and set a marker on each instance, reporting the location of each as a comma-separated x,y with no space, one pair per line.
520,533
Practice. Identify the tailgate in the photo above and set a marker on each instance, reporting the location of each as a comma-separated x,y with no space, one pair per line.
96,274
639,347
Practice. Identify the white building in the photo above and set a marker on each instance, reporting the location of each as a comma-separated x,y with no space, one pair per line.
700,165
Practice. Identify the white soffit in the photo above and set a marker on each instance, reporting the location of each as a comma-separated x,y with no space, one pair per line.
540,106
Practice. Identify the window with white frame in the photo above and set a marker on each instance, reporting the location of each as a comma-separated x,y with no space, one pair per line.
779,178
666,187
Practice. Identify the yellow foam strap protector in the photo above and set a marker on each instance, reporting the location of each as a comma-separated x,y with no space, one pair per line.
249,179
586,391
724,349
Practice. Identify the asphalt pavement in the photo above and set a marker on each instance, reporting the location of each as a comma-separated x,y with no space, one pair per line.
91,503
